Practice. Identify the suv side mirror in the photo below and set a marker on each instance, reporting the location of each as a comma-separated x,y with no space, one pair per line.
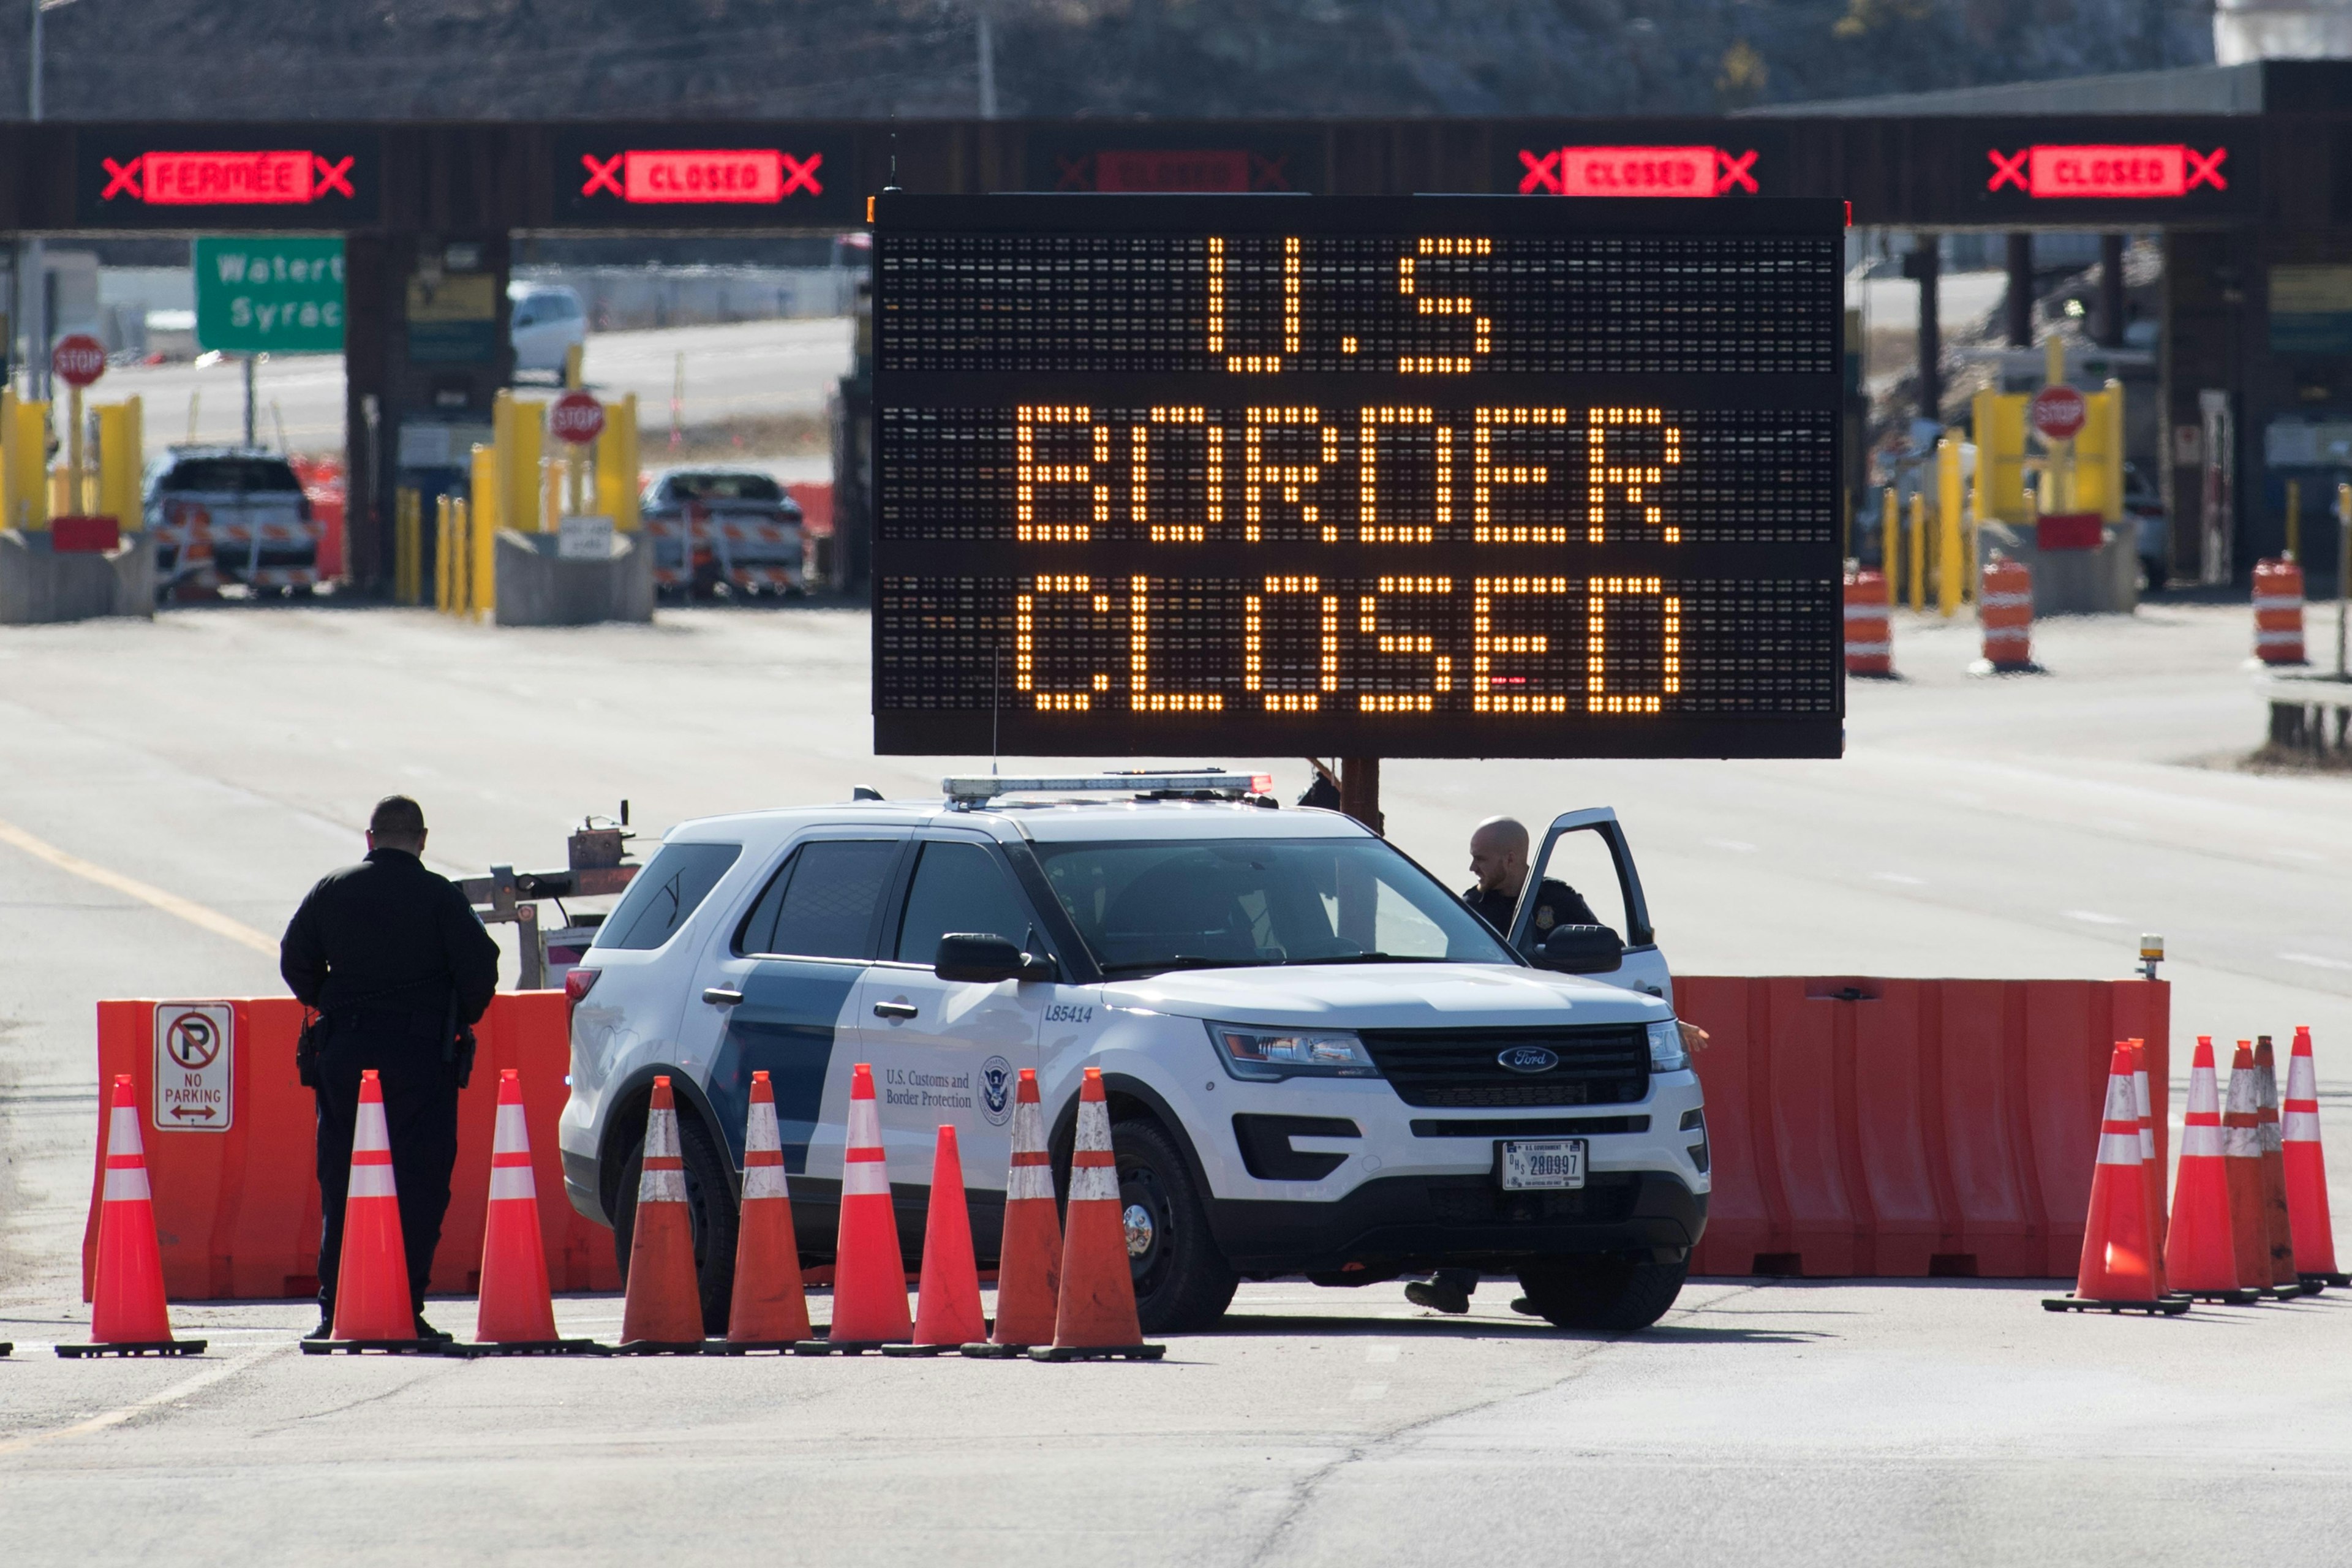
985,958
1581,949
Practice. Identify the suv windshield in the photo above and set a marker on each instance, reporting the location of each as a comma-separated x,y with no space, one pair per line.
724,486
1194,904
231,474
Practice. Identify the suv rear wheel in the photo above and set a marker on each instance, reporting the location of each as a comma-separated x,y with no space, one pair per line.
709,1207
1181,1282
1609,1292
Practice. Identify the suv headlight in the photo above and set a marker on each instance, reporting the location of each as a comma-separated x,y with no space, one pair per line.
1667,1053
1265,1055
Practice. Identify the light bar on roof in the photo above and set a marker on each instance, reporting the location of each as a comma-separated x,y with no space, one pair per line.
1215,781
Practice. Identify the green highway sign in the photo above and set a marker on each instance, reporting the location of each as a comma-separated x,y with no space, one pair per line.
269,294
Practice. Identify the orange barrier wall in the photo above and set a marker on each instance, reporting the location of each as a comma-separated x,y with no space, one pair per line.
1910,1128
238,1211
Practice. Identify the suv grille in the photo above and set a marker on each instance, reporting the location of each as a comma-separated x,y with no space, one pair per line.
1606,1064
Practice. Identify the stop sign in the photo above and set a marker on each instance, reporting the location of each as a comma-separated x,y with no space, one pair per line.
576,417
79,359
2057,412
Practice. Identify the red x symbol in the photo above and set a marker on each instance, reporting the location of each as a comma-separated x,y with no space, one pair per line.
332,180
604,175
799,174
1543,174
1269,173
2205,171
2007,171
1074,174
122,178
1731,170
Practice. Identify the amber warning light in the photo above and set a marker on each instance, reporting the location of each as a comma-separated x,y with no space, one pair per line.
2107,172
228,179
702,175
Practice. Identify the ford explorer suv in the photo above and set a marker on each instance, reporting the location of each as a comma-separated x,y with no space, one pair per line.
1319,1060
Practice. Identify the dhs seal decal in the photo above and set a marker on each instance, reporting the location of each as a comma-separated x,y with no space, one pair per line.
996,1090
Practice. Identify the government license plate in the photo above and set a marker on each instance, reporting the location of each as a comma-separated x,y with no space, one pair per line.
1533,1164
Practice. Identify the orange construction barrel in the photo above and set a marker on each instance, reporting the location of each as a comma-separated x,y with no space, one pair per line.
2005,611
2278,611
1869,636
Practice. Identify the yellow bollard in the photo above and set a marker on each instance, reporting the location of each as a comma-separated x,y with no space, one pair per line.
445,554
485,514
1951,572
2293,520
1917,548
551,492
571,364
28,505
1890,535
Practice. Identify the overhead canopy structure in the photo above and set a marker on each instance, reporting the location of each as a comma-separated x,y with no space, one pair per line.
2246,171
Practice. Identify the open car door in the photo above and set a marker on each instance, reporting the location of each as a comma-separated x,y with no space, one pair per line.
1586,851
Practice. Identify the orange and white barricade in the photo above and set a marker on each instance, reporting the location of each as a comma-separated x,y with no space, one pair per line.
1869,634
2278,611
2005,611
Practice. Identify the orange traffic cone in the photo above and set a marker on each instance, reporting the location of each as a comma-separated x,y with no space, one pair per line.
516,1314
2242,1158
2279,1227
127,1315
662,1313
1029,1257
1097,1320
2152,1174
2118,1271
869,1276
947,1304
2306,1171
770,1309
373,1311
2199,1259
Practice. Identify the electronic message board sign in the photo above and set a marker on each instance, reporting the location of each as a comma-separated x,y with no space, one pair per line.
194,176
739,176
1468,476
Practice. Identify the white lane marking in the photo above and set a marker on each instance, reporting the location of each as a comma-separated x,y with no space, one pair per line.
1898,878
194,913
2314,961
1379,1353
1365,1393
178,1391
2093,917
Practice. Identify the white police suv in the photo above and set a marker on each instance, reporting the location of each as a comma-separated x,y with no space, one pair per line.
1319,1060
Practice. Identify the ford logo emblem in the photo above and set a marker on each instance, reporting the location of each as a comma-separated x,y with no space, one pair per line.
1530,1059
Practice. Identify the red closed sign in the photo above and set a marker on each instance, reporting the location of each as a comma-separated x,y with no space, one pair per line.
79,359
576,417
2058,413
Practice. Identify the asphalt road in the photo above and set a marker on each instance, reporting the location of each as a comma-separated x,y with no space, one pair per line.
171,788
731,371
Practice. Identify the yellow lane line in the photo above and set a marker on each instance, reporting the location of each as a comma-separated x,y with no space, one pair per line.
178,1391
195,914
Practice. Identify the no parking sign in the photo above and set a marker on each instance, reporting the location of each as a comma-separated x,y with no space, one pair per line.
195,1050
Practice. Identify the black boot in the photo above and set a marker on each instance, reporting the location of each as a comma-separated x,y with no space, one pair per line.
326,1328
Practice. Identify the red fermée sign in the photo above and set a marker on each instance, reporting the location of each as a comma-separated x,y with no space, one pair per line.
1122,169
211,179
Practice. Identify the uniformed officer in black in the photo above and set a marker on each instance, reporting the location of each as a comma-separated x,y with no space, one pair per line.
393,958
1498,859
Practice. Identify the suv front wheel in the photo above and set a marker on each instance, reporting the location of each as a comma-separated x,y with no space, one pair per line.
1606,1292
710,1211
1181,1282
